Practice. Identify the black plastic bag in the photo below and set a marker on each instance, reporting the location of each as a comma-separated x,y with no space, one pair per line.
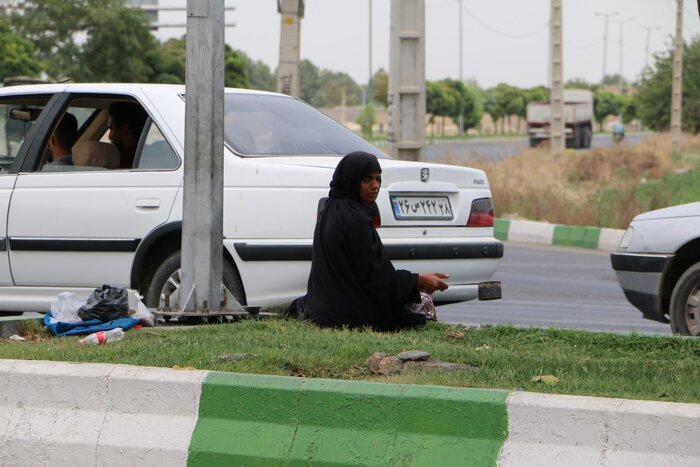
106,303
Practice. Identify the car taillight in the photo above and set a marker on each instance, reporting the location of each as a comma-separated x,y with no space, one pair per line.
481,214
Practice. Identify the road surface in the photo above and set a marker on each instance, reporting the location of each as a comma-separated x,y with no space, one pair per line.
547,286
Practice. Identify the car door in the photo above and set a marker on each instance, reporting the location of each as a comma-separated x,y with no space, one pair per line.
79,226
17,117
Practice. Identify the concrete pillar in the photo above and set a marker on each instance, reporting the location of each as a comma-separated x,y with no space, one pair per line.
292,12
557,124
406,98
202,222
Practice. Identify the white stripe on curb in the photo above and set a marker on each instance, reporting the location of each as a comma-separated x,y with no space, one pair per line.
531,232
54,413
553,430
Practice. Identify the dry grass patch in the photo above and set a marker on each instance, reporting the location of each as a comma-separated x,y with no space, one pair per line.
604,186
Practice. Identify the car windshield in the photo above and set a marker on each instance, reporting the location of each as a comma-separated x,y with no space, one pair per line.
269,125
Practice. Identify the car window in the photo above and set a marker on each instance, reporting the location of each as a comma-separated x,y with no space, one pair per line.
82,138
17,116
156,153
270,125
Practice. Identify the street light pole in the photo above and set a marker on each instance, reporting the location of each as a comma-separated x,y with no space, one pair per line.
461,76
369,82
621,22
646,49
605,38
677,82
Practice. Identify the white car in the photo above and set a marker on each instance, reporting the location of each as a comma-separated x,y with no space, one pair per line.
658,266
73,228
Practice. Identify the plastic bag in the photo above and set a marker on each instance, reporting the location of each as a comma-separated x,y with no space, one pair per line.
65,308
426,307
143,313
105,304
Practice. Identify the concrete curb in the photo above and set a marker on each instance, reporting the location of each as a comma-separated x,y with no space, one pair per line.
54,413
543,233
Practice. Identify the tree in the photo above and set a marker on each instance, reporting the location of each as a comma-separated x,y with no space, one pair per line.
366,120
234,69
16,55
494,107
380,87
308,81
332,85
629,109
613,80
439,102
119,45
170,62
511,101
466,104
605,104
258,73
580,83
51,25
654,94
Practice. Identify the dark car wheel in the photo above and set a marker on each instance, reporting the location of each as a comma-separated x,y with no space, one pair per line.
164,287
685,303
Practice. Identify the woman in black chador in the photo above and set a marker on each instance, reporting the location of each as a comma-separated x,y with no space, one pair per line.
352,281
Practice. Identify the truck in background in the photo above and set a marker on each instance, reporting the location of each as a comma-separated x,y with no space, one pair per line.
578,119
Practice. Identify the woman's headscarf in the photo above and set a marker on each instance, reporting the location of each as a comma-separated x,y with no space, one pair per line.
349,173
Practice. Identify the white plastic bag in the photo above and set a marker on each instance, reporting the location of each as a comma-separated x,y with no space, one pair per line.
143,313
65,308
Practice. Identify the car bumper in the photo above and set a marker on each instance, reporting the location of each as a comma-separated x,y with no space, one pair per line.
640,278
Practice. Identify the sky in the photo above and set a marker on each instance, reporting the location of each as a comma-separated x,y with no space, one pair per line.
503,40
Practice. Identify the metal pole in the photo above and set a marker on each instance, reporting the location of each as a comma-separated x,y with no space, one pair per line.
605,39
677,86
620,79
557,124
202,217
406,98
646,49
292,12
461,76
369,82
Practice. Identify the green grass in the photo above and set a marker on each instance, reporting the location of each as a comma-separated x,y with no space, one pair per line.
599,364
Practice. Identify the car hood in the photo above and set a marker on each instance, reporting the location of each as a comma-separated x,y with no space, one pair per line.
681,210
396,170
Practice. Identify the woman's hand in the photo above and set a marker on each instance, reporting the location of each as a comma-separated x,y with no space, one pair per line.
432,281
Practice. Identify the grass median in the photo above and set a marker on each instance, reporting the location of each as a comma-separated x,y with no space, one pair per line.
583,363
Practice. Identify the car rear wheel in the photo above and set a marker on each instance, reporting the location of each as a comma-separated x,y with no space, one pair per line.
163,291
685,303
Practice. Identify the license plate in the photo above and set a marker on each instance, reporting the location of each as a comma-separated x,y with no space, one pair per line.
421,207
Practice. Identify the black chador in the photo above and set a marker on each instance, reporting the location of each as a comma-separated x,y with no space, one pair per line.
352,281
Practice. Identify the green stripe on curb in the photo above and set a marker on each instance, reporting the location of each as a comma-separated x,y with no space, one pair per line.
500,229
276,420
586,237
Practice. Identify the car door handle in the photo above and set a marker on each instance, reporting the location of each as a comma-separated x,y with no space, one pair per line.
148,203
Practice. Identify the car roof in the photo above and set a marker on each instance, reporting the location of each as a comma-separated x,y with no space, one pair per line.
129,88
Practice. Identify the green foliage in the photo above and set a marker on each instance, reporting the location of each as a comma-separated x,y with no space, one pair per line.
366,120
613,80
380,87
119,45
580,83
324,88
258,73
655,90
630,108
234,69
605,104
17,55
505,100
452,98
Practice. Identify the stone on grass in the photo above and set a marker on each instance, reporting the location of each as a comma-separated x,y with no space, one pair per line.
381,363
235,357
384,364
414,356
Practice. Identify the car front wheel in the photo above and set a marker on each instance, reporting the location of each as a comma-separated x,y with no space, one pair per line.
685,303
164,289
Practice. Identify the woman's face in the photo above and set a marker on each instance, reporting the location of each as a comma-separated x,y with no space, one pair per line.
369,188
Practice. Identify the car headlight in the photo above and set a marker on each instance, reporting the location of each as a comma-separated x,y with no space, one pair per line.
626,237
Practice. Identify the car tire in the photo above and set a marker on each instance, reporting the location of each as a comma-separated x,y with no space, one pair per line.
166,281
685,303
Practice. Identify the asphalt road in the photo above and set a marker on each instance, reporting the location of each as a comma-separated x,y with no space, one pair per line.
558,287
496,149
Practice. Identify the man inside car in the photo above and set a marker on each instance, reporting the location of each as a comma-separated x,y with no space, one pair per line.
126,120
63,139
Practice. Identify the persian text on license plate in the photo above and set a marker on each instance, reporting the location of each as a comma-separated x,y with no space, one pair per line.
421,207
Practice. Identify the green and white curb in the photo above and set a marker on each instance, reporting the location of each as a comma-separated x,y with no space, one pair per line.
95,414
543,233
